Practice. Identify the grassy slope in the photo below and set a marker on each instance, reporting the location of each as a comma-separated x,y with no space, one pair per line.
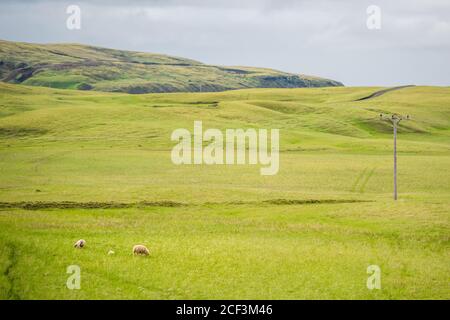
73,66
63,145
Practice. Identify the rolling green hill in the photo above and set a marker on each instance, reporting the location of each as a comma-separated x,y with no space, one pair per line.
97,166
74,66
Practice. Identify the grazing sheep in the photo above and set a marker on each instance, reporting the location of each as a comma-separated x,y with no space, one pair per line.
80,244
140,249
110,252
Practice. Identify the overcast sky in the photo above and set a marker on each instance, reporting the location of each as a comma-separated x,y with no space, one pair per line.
322,37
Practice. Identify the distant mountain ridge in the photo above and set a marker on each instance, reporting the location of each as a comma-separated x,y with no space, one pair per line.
83,67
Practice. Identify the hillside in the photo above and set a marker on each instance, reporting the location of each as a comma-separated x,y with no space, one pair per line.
97,166
324,122
74,66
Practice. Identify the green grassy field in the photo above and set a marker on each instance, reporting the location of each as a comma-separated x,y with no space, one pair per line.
97,166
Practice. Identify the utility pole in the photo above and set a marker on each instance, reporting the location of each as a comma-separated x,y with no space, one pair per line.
395,120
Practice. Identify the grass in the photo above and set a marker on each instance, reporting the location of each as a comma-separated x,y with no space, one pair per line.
97,166
229,251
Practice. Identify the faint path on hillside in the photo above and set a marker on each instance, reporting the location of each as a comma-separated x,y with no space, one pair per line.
381,92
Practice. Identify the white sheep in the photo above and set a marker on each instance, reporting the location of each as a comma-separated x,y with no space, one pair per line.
80,244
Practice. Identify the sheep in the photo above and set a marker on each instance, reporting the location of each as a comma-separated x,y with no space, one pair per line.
80,244
140,249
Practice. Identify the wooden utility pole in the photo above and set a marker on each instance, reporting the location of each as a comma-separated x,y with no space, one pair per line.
395,120
395,159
